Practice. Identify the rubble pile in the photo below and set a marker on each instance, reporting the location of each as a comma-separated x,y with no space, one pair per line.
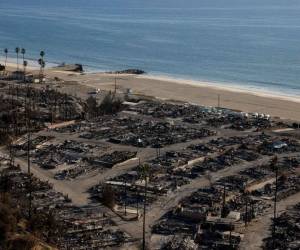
136,131
89,227
88,164
204,201
22,143
257,173
218,234
178,243
130,194
291,162
234,182
223,160
184,147
210,215
269,147
286,186
173,169
45,106
240,121
166,174
17,184
161,110
97,127
249,147
216,117
109,160
84,227
68,152
152,134
202,149
199,216
13,118
48,100
287,231
172,226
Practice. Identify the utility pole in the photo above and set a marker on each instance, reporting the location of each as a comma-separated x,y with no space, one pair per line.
55,100
125,197
224,201
246,214
137,201
144,175
275,167
13,116
275,205
53,105
219,99
144,218
230,236
137,194
251,210
115,84
28,149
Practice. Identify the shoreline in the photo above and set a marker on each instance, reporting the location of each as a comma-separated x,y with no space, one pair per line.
232,87
32,64
227,86
238,87
201,94
195,92
217,85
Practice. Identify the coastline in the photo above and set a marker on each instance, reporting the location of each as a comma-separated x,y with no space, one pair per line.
233,87
13,66
200,93
192,91
217,85
32,64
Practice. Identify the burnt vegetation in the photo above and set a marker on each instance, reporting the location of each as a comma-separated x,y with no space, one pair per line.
109,105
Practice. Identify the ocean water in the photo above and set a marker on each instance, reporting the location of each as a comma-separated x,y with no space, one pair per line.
252,44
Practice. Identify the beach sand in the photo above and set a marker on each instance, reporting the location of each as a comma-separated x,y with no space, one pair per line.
193,92
197,92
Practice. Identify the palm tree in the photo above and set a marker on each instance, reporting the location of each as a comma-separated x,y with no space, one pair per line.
5,52
23,52
42,66
17,50
42,54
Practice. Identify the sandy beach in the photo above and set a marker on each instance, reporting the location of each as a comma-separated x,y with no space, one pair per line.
197,92
201,93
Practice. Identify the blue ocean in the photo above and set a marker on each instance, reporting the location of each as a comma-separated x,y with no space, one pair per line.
254,44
